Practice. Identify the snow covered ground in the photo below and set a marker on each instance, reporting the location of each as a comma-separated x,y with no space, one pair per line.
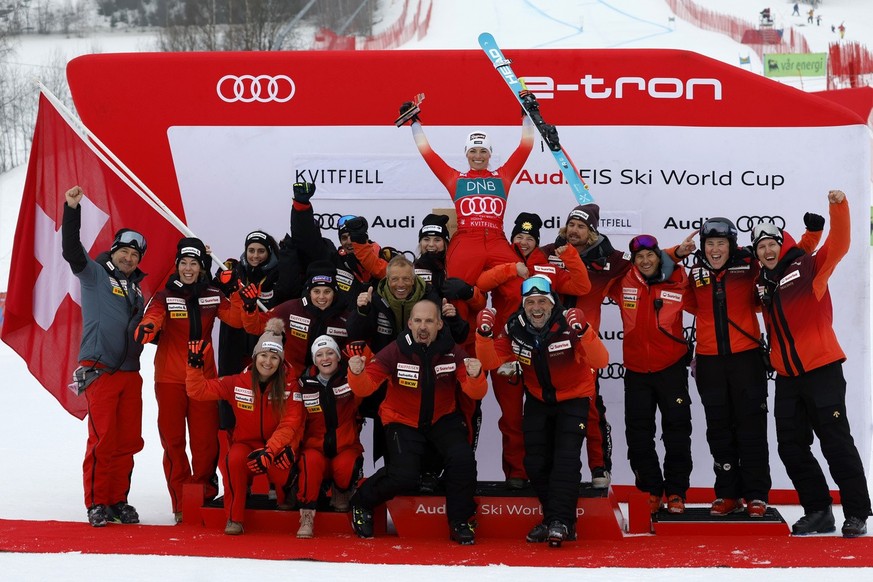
43,446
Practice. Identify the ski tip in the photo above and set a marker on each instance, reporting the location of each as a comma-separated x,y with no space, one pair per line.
486,36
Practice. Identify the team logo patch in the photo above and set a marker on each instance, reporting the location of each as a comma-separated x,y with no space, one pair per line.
545,269
671,296
175,300
245,406
558,346
445,368
409,367
266,294
337,331
340,390
408,383
117,291
298,397
241,390
178,315
298,326
789,277
524,360
177,307
242,398
209,300
298,319
407,375
300,334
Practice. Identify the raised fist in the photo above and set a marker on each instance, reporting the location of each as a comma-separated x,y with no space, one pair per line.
485,322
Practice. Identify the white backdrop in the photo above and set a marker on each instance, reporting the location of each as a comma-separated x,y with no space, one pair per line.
662,180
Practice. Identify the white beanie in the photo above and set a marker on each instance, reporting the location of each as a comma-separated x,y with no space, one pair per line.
325,341
478,139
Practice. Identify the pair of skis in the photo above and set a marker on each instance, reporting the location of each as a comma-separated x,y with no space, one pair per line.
531,108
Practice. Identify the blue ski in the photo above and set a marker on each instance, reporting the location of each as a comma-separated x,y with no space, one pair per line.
532,108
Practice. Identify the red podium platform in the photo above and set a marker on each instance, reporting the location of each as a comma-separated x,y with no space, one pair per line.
696,521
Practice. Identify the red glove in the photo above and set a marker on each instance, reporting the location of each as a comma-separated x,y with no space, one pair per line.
249,295
196,349
358,348
259,460
576,320
284,459
485,322
145,332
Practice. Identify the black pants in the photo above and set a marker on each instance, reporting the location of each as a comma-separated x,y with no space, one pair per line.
553,438
815,402
406,446
733,390
667,391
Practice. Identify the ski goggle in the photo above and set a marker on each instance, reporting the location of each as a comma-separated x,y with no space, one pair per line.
643,242
718,227
132,239
766,230
536,286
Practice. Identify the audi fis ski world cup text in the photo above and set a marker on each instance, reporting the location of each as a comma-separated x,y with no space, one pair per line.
648,177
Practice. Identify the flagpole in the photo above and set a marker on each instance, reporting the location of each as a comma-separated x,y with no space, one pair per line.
120,169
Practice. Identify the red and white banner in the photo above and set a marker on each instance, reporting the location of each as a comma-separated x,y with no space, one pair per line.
43,319
664,139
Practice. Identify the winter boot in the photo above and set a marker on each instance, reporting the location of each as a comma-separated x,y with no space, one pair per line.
121,512
339,500
98,515
307,522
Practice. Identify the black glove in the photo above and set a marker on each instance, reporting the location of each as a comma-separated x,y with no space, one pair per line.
226,279
259,461
303,191
530,101
196,348
406,107
284,459
454,288
145,332
813,222
249,295
357,228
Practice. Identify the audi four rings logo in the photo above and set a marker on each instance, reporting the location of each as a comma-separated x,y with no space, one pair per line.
251,88
612,371
478,205
747,223
330,221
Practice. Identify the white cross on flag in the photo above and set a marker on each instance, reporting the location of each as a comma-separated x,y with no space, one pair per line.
43,319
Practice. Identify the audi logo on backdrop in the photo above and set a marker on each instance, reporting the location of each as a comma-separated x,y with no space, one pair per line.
255,88
747,223
612,371
330,221
478,205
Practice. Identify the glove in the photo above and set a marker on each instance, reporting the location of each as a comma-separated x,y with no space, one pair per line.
813,222
225,279
196,349
357,228
454,288
284,459
249,295
357,348
145,332
485,322
303,191
259,461
576,320
406,107
530,100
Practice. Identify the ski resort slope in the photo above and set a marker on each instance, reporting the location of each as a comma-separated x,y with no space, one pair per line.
42,448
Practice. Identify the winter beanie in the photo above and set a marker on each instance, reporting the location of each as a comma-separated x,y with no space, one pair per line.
434,225
321,274
271,339
478,139
587,213
527,223
325,341
193,248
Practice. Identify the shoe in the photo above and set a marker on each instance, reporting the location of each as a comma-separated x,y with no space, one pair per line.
538,534
307,523
814,522
464,533
233,528
854,527
339,500
558,532
98,515
362,522
721,506
600,478
515,483
756,508
655,503
177,517
121,512
675,504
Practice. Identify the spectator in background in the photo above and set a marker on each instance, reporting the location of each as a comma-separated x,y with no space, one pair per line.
796,11
842,29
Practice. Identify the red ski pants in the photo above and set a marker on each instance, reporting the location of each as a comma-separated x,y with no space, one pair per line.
471,252
314,468
237,477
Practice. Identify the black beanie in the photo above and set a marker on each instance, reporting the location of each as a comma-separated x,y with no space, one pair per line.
434,225
191,247
527,223
321,273
587,213
263,239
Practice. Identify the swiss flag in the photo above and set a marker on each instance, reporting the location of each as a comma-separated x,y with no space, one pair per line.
43,318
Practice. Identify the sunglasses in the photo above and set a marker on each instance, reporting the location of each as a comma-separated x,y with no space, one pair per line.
344,219
536,286
643,242
131,238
